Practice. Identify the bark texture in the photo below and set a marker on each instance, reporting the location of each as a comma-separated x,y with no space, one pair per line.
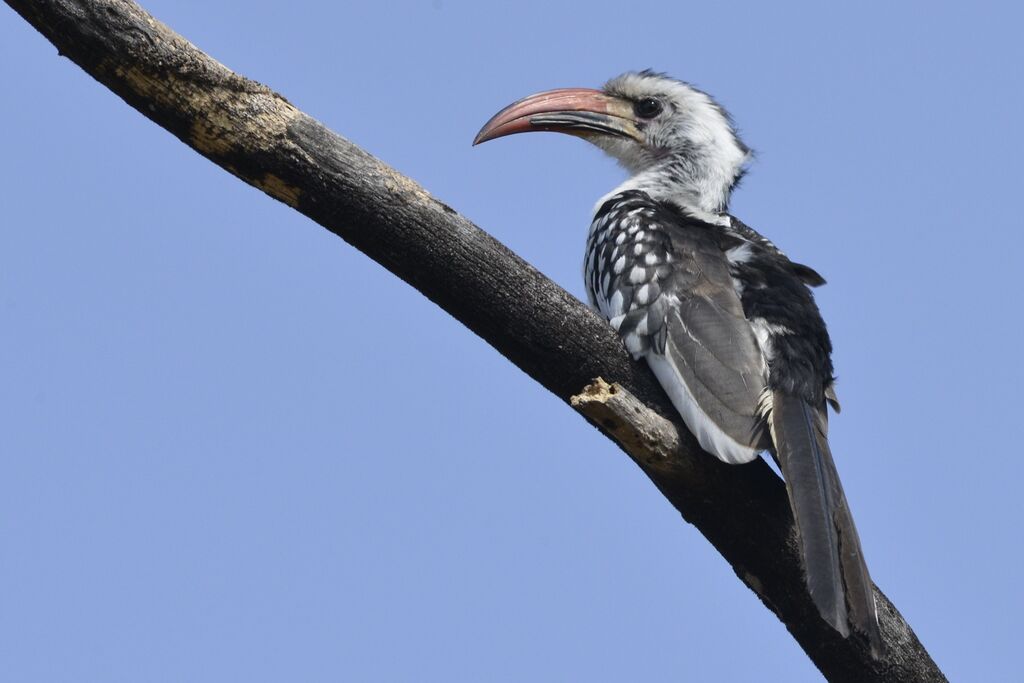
257,135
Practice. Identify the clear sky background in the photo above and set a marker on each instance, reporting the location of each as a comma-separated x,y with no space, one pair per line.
234,448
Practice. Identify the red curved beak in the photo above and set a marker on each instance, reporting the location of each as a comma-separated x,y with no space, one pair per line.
577,111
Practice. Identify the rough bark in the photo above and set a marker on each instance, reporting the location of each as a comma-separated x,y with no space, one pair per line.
257,135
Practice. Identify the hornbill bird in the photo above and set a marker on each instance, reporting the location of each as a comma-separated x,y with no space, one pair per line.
726,322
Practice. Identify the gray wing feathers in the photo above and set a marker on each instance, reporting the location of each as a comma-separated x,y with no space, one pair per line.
717,357
710,344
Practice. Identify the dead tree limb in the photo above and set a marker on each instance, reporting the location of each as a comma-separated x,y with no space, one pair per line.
257,135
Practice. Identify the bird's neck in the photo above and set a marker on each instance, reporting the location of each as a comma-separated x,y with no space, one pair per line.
697,178
691,183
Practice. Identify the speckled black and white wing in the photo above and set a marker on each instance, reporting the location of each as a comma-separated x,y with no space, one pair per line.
663,281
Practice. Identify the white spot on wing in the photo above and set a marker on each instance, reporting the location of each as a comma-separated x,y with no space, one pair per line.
764,331
634,344
615,304
740,254
642,294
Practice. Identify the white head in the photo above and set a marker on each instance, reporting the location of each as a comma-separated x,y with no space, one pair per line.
677,143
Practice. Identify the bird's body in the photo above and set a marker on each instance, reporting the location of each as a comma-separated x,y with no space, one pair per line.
724,319
675,283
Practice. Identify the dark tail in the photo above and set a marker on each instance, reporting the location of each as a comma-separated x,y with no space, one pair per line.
837,576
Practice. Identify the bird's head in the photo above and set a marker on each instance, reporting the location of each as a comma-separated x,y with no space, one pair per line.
677,143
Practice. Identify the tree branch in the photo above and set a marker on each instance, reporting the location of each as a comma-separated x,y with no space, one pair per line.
257,135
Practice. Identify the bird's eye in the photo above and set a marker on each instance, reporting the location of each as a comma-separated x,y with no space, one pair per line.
647,108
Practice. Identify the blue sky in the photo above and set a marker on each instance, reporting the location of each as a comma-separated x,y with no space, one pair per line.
232,447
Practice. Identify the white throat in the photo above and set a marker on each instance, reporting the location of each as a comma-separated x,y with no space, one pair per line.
659,191
701,188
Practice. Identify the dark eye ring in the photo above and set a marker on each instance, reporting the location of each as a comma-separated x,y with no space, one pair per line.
647,108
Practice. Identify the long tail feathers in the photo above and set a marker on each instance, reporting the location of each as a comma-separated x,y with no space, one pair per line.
837,576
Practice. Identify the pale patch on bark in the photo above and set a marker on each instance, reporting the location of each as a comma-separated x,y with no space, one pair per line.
648,438
279,189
